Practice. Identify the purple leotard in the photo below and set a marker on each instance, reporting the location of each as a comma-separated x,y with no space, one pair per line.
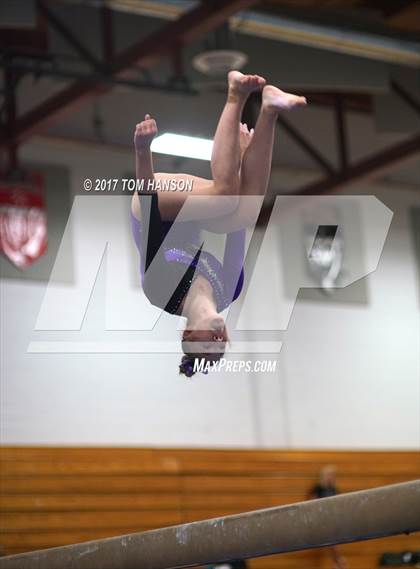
173,257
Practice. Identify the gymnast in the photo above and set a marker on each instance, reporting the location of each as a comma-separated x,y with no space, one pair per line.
177,274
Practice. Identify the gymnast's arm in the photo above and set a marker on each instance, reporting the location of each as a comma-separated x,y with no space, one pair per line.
145,205
147,201
143,136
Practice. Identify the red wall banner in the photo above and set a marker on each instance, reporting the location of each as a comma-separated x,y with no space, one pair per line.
23,220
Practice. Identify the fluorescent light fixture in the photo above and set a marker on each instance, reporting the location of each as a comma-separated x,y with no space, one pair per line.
181,145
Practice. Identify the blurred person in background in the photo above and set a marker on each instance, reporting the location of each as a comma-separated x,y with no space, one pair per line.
326,485
325,488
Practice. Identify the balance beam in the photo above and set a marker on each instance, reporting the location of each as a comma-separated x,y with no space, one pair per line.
356,516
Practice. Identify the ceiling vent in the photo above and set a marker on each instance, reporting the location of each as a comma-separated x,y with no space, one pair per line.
218,62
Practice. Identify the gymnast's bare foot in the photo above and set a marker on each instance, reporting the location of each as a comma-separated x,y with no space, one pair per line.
243,85
277,100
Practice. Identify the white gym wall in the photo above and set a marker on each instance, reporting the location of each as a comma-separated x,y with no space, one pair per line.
347,375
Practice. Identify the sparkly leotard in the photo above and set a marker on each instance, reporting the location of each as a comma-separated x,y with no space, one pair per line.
172,256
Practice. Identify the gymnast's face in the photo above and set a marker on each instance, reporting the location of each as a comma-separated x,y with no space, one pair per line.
206,336
328,476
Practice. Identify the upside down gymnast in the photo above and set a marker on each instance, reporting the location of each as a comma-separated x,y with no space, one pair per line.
177,274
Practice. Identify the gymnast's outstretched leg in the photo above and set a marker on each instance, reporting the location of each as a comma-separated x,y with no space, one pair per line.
226,155
256,161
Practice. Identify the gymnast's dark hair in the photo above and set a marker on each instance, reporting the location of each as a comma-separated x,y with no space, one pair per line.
186,366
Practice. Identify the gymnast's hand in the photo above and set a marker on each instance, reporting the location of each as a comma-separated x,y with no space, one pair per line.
145,133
